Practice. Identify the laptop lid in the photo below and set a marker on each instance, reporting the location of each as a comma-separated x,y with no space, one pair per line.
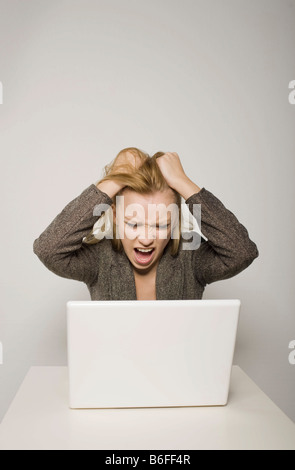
150,353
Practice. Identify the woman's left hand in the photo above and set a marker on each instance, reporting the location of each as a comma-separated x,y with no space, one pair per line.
171,168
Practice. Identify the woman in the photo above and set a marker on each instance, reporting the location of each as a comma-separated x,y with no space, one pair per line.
142,258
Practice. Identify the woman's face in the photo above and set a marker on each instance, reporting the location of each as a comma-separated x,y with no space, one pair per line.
144,222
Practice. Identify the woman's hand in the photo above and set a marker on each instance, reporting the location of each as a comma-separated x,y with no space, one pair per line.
173,172
171,168
127,161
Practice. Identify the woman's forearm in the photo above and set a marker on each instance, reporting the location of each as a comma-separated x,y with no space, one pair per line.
229,249
186,188
60,246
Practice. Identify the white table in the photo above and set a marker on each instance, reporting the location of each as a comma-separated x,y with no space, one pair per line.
39,418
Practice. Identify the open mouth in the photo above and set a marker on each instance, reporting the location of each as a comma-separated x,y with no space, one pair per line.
143,257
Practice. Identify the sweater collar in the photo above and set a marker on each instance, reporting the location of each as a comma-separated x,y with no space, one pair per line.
169,277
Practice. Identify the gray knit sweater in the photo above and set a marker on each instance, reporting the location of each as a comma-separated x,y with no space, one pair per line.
108,274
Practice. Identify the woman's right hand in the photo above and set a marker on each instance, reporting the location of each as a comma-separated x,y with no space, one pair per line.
124,163
111,188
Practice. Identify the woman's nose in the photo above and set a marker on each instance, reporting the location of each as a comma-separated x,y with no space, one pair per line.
146,233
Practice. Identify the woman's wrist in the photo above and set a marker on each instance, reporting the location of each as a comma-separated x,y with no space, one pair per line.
186,188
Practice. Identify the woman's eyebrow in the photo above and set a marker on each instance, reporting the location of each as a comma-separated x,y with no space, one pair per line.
129,217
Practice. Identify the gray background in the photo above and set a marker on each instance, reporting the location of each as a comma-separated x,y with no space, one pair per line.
206,79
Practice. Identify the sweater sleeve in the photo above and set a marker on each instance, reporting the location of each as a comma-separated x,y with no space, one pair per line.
60,248
228,249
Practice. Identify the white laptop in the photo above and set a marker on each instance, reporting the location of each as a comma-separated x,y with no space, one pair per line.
148,353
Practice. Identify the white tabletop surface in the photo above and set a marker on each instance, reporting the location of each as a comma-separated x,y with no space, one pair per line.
39,418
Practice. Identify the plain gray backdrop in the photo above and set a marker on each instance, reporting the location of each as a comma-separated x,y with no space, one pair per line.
208,79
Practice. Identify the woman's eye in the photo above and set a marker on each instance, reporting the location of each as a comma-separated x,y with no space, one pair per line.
131,225
161,227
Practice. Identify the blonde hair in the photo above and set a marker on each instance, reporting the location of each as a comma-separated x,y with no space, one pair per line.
144,178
